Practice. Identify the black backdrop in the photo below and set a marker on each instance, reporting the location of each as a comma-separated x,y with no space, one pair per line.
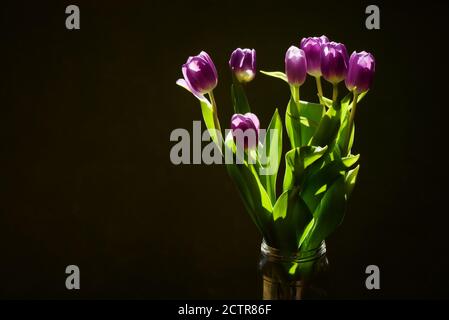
86,179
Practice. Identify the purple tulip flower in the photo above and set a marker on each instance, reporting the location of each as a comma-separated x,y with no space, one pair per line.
334,62
200,75
312,47
243,64
240,124
361,71
295,66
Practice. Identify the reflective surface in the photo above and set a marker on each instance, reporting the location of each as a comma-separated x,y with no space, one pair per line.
296,276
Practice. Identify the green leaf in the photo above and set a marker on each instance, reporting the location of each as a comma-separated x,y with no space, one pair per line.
311,115
255,198
208,117
301,125
275,74
328,102
297,160
293,124
327,129
281,205
239,99
361,96
344,125
329,214
301,158
351,139
342,137
289,181
270,155
347,99
291,216
318,181
350,180
344,128
306,232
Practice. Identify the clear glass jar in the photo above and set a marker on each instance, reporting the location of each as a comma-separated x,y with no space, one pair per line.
297,276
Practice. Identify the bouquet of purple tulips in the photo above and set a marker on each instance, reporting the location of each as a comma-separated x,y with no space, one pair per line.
320,171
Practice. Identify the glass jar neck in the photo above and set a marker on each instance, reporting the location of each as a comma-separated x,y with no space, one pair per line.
300,256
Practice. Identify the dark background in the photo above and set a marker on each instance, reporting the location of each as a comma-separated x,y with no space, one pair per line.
86,178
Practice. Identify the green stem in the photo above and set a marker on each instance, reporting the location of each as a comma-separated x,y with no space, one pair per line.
320,89
214,110
334,93
215,113
351,119
296,96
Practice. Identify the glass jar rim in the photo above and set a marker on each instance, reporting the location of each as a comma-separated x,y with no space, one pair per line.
275,254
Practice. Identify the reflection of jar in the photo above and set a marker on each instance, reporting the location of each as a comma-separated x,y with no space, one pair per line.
301,275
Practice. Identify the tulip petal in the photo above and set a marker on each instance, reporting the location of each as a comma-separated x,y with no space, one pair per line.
235,62
312,47
295,66
360,72
240,124
253,119
205,55
243,64
334,62
183,83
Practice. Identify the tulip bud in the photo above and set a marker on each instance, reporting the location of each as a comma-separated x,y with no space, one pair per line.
245,127
334,62
200,74
312,48
295,66
361,71
243,64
